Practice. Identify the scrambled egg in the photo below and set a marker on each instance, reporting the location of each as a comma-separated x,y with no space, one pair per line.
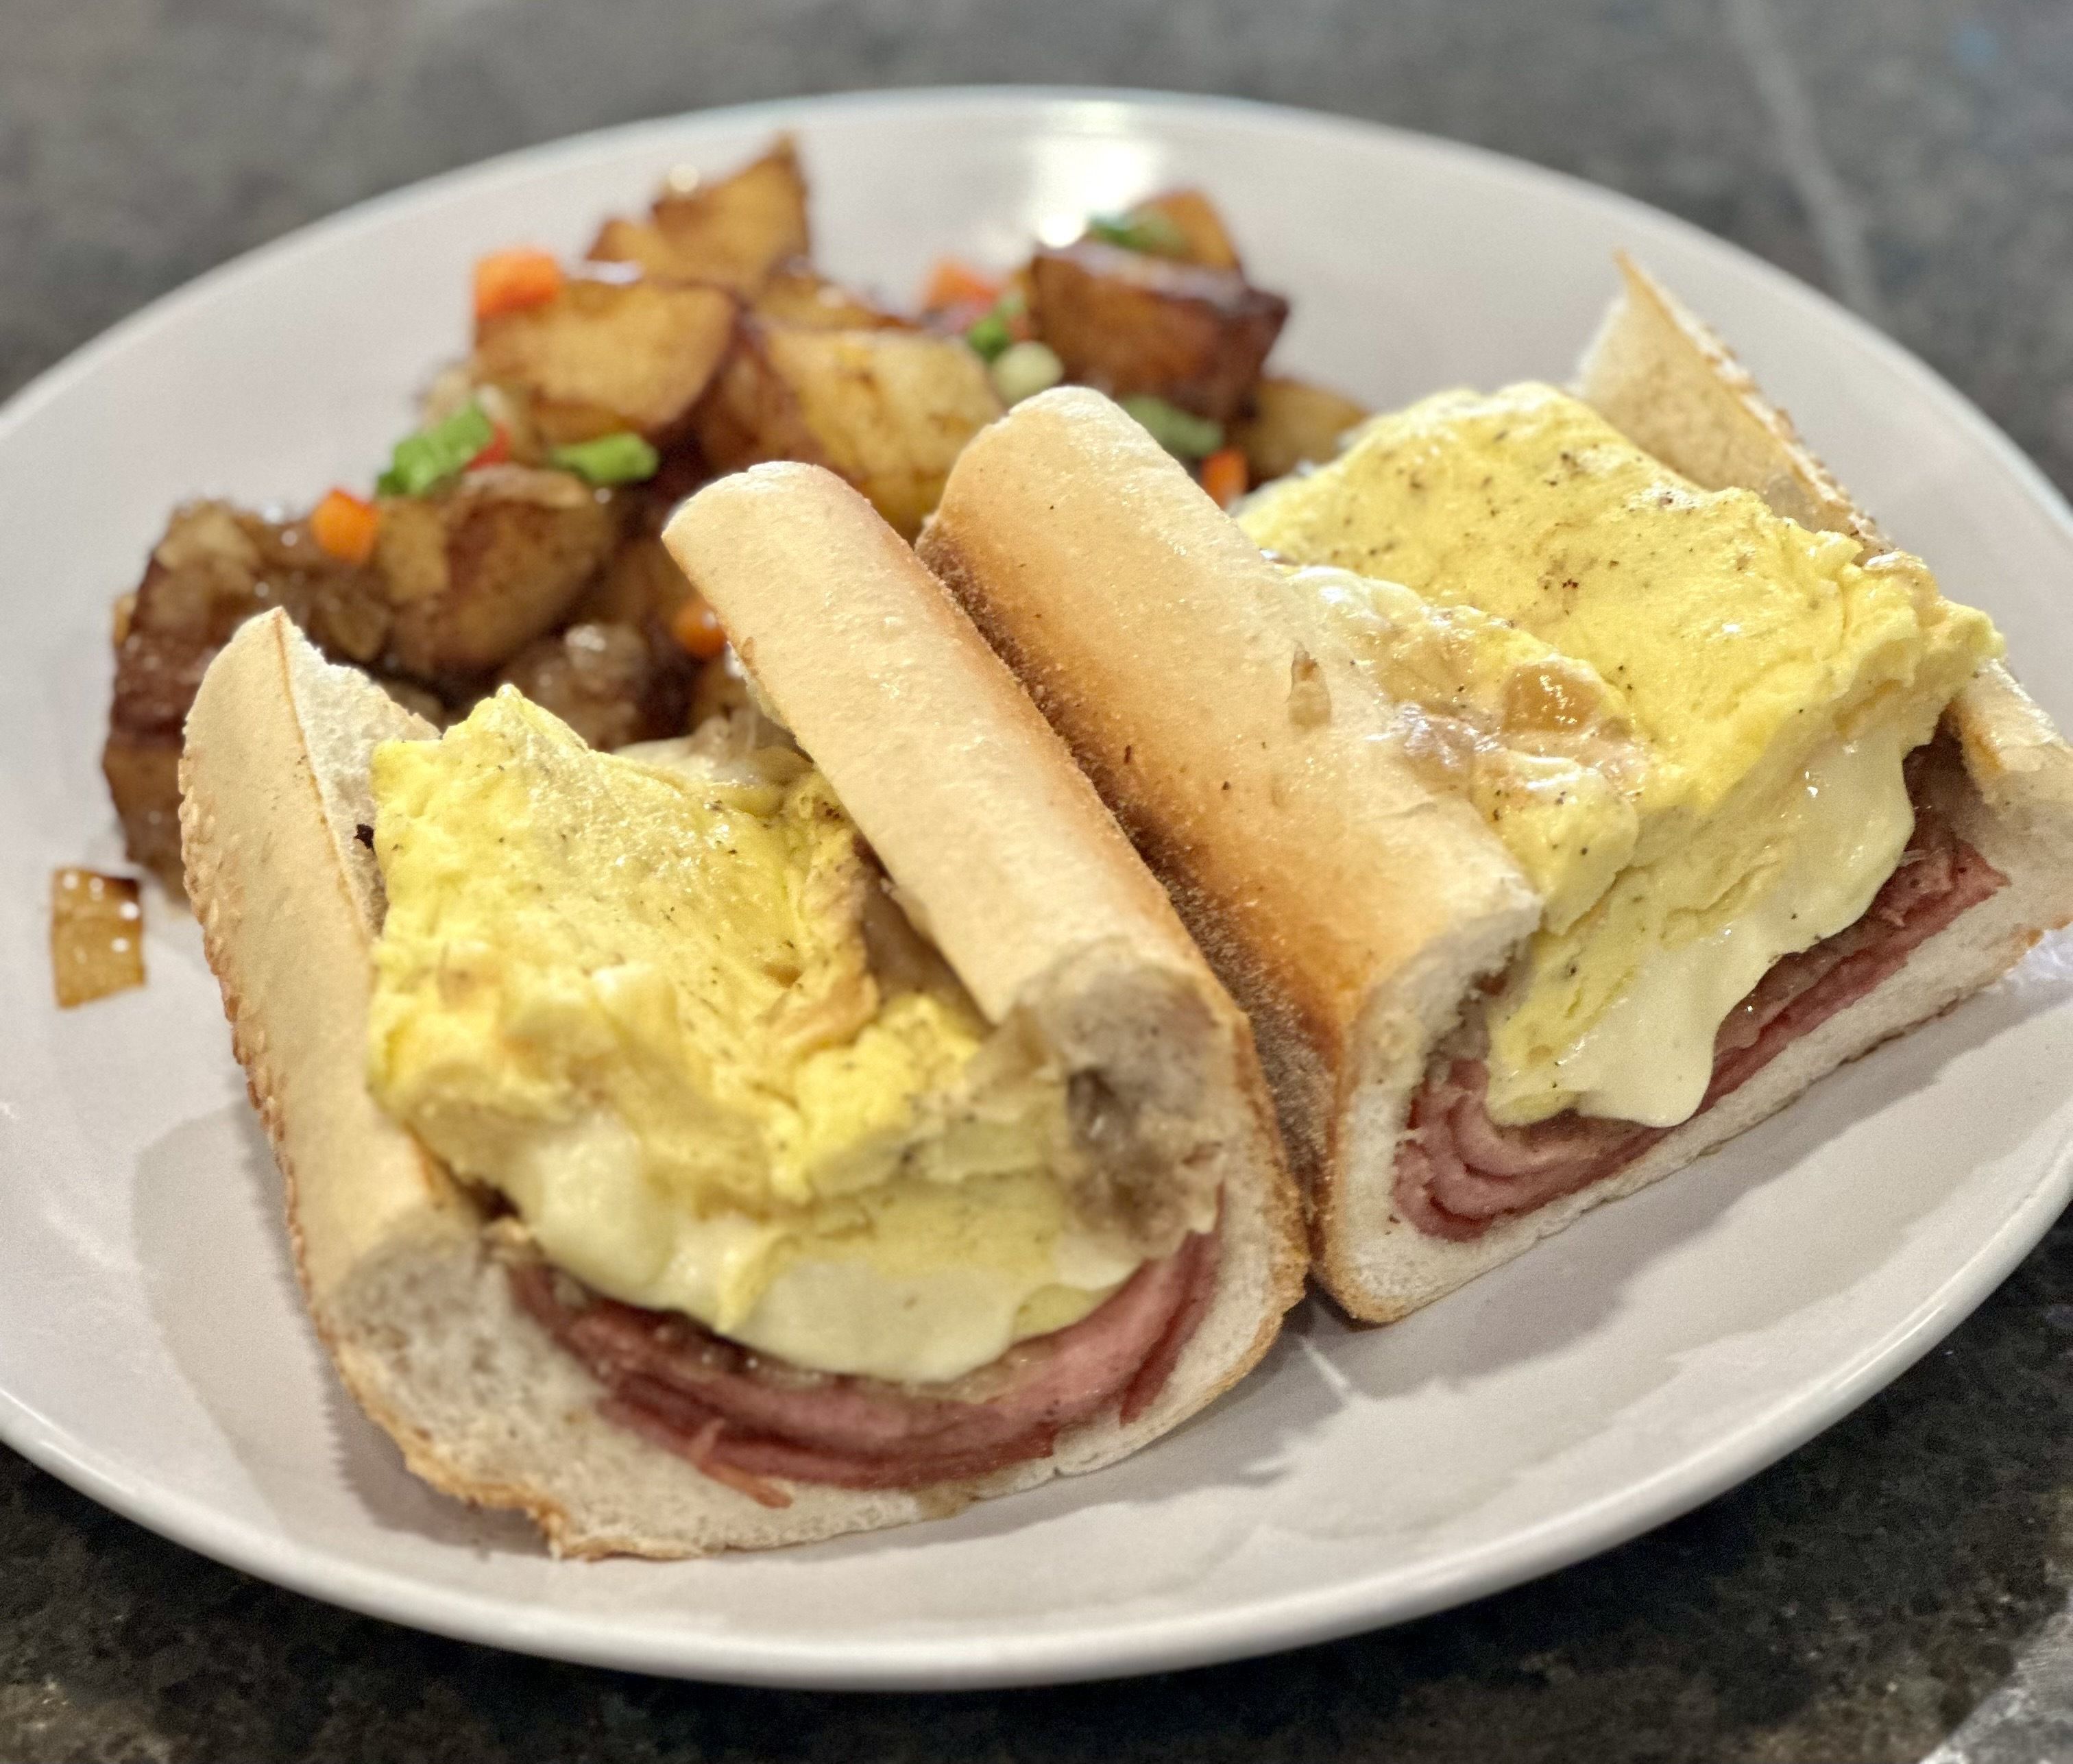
1685,715
664,1005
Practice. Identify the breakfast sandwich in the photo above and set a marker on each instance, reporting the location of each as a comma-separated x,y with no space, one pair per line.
808,1125
1563,779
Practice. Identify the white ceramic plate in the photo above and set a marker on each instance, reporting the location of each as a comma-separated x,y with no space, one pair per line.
152,1350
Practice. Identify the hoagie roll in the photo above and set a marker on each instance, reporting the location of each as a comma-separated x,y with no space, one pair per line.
810,1125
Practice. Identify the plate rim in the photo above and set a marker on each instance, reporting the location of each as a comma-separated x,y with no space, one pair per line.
1085,1652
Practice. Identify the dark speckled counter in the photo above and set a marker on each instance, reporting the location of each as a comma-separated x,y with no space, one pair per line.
1895,1590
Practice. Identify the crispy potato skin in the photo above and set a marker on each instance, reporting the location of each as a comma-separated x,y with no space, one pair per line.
1127,322
143,775
213,568
612,683
478,570
1293,423
641,584
733,233
888,410
797,294
753,413
604,355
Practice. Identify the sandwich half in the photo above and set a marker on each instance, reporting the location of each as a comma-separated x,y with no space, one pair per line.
1563,781
805,1126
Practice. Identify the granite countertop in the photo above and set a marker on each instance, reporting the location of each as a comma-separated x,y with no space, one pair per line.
1897,1589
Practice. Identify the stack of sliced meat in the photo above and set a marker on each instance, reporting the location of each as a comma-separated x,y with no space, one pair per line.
744,1419
1459,1172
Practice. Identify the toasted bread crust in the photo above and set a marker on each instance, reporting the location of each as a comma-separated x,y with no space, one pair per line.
994,839
1666,382
1294,849
973,810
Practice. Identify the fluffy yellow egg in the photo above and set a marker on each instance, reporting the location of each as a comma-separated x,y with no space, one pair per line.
637,996
1753,688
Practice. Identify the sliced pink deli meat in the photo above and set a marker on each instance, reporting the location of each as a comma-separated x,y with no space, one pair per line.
744,1418
1459,1172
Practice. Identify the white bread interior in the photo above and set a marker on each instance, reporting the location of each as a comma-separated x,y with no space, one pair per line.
1040,499
400,1278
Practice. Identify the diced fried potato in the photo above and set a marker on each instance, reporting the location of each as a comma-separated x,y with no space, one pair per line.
215,567
889,410
733,232
143,775
1129,323
753,413
637,242
610,683
477,572
1195,216
640,584
203,581
1292,423
799,295
604,355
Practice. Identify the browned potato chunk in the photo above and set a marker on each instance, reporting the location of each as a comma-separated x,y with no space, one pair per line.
214,568
639,586
800,296
889,410
1128,323
733,232
605,355
1292,423
1199,227
610,683
143,775
477,572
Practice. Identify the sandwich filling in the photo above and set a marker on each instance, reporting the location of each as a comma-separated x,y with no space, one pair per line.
1458,1172
663,1003
1686,717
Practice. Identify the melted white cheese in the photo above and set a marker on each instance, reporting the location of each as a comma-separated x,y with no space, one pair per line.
843,1301
1650,1057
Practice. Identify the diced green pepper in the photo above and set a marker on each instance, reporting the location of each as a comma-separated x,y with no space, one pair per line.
621,457
1140,229
991,335
1180,432
420,461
